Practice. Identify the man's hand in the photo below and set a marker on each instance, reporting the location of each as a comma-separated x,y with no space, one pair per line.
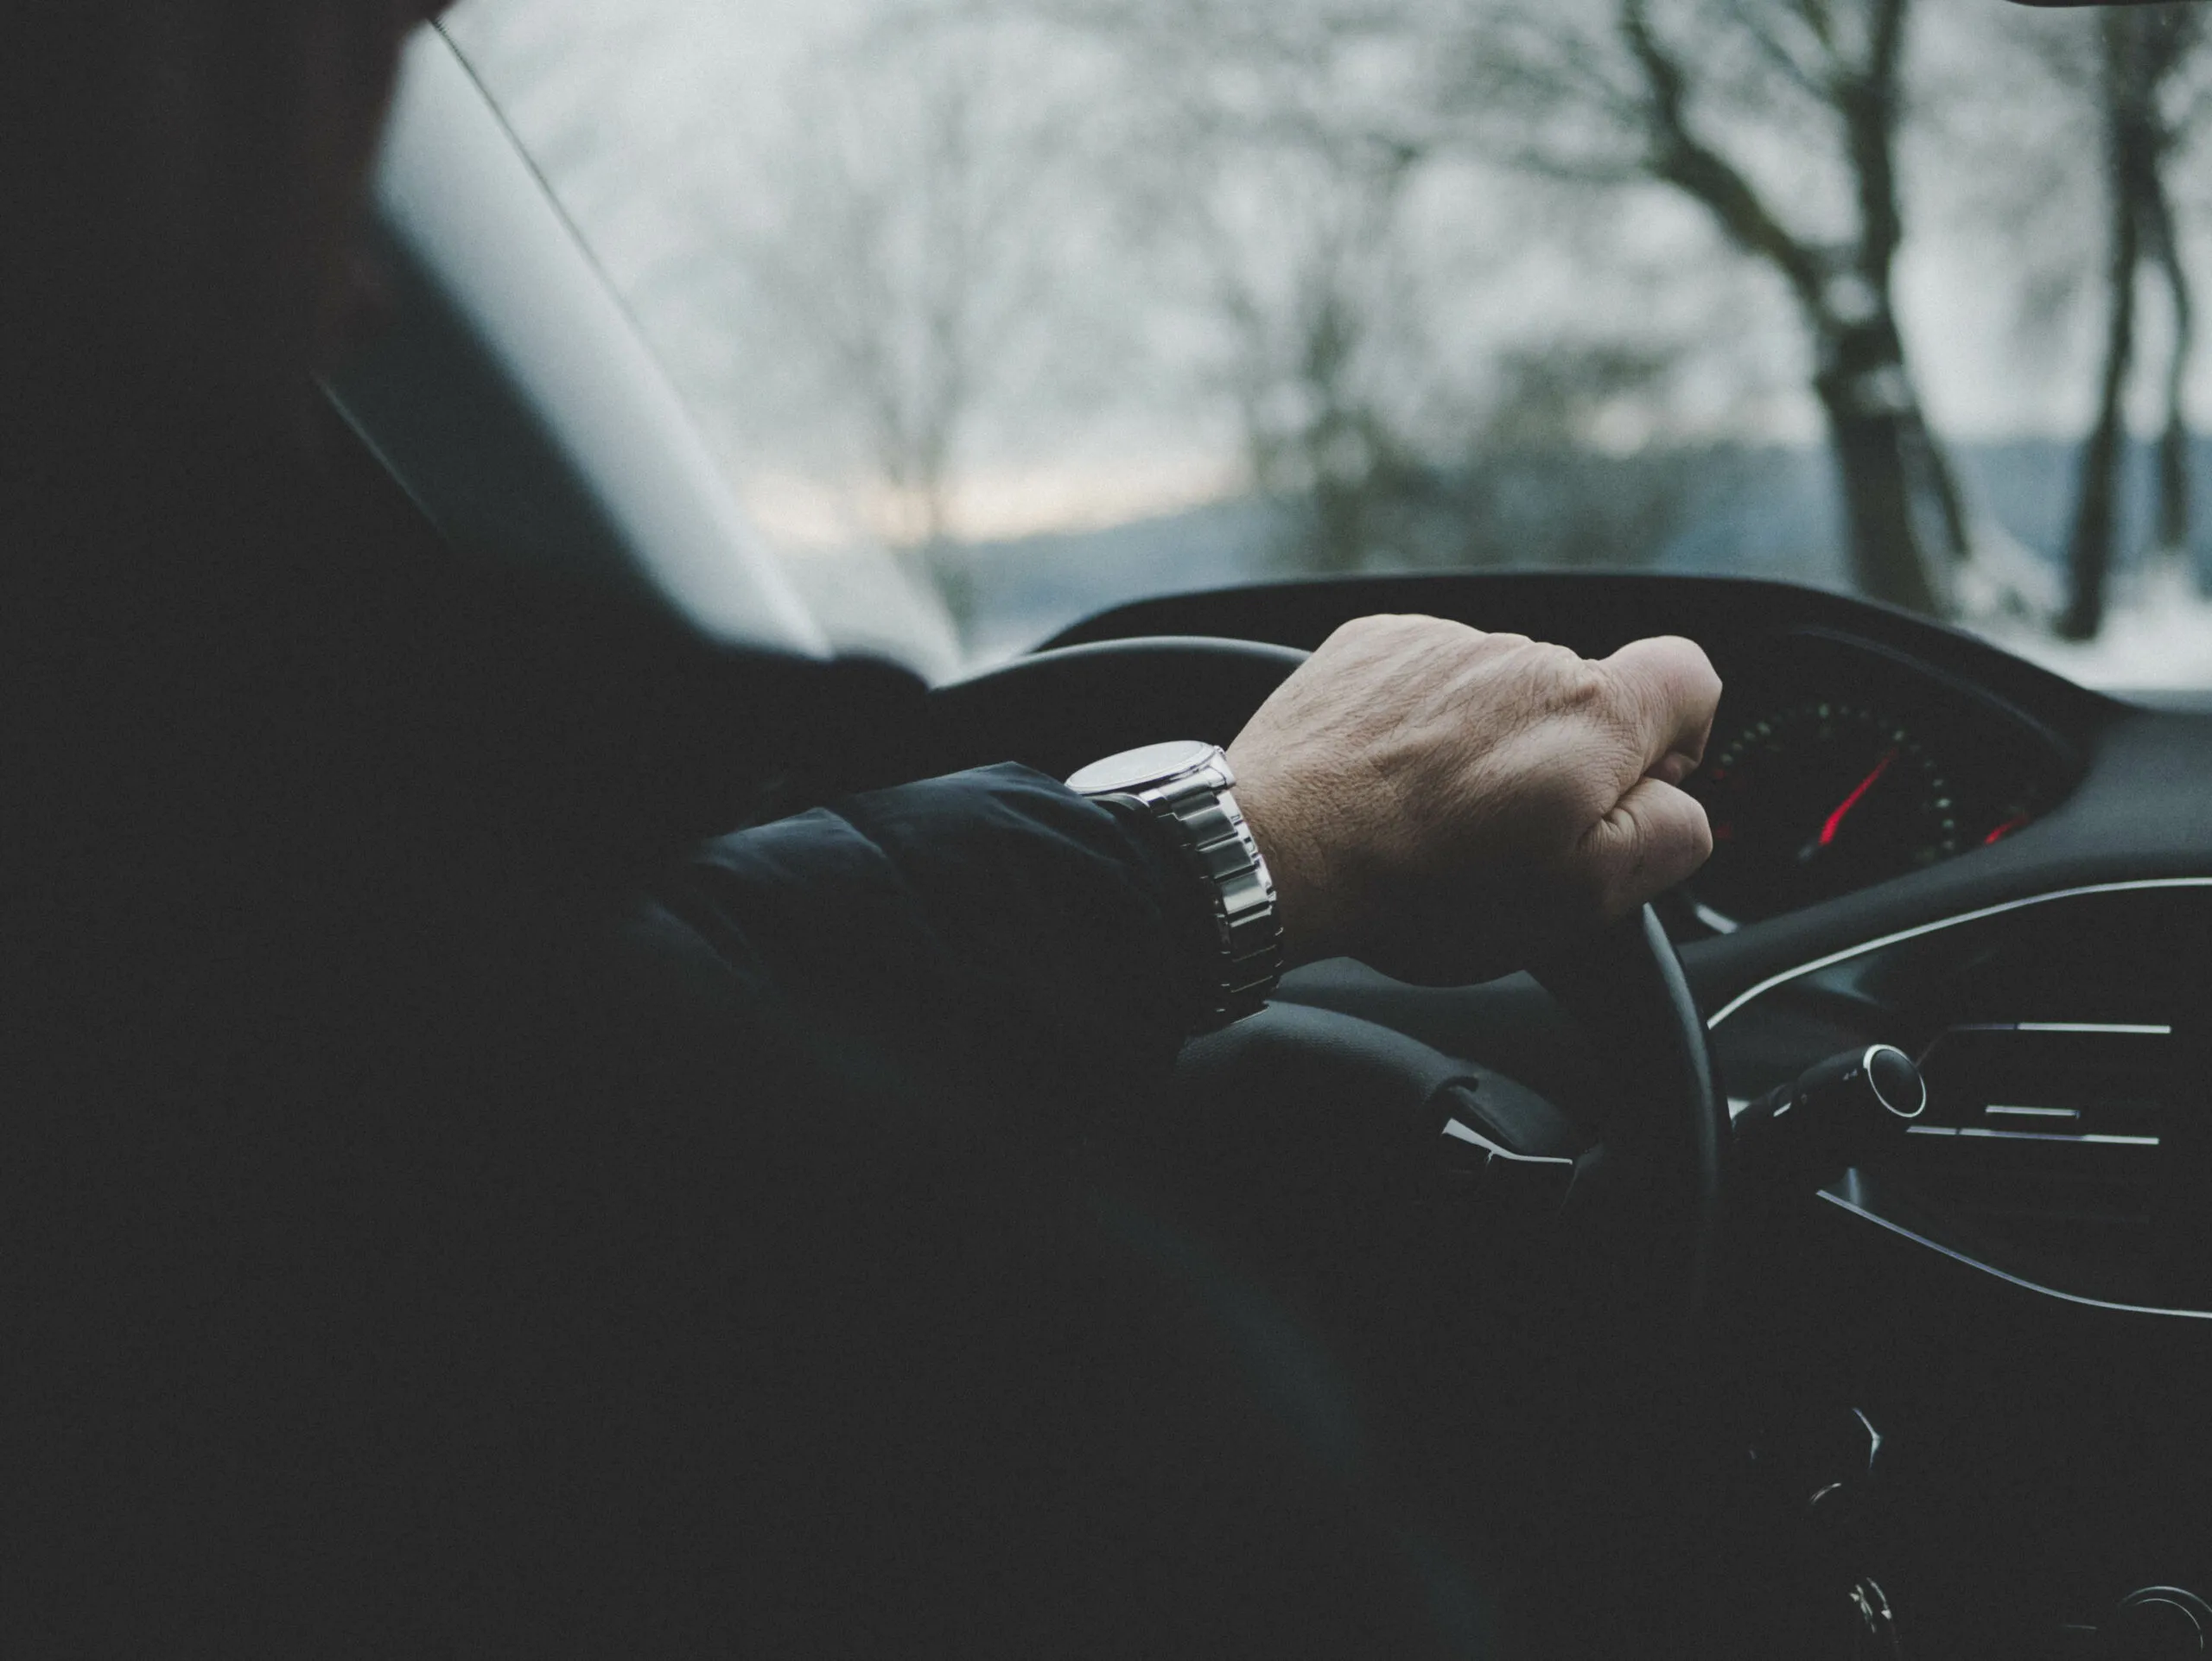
1447,805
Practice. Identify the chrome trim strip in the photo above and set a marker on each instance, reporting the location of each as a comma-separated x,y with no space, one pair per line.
2014,1280
1873,1437
1848,952
2143,1031
2033,1112
2025,1136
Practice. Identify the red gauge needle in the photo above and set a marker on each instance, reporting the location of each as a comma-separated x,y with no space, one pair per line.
1833,822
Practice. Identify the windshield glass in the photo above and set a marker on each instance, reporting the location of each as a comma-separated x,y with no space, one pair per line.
1004,312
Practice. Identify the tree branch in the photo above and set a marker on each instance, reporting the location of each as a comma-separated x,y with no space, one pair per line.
1867,99
1679,156
1755,18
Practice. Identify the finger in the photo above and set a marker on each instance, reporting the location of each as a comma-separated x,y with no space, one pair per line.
1670,691
1654,836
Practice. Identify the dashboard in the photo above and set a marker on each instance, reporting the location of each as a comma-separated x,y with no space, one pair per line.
1919,841
1924,842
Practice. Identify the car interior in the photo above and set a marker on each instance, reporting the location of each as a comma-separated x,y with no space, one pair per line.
1832,1243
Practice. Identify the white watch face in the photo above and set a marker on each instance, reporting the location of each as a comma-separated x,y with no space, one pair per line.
1133,769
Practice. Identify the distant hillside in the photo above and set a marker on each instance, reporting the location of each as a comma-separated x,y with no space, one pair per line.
1770,514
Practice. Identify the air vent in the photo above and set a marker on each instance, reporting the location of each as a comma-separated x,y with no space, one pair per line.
2060,1137
2078,1086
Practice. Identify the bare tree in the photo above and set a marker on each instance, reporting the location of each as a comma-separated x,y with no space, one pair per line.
899,254
1279,210
2144,103
1312,368
1699,95
1366,410
865,271
2173,493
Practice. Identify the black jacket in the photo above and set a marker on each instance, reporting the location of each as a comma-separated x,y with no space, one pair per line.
453,1205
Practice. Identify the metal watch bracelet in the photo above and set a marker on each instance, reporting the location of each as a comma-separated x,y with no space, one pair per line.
1193,803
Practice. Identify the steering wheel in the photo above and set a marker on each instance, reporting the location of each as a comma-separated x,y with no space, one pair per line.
1655,1107
1388,1153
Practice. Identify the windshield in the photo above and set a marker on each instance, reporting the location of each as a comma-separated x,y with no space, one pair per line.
1003,312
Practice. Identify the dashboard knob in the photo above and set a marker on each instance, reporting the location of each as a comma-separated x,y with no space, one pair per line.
1832,1115
2157,1622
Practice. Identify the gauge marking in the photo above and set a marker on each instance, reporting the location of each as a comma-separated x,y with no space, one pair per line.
1817,799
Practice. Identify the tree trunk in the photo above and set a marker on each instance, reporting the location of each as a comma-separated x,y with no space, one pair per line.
1894,488
2173,441
1941,485
1888,560
1339,543
2173,464
2090,548
2088,551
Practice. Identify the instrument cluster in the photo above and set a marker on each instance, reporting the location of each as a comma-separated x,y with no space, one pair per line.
1835,764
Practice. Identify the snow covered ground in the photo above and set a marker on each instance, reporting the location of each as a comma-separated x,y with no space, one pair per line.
2156,637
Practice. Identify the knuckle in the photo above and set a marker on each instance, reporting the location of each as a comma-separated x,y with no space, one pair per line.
1437,634
1511,646
1701,677
1347,634
1611,718
1708,677
1690,670
1376,633
1575,682
1690,651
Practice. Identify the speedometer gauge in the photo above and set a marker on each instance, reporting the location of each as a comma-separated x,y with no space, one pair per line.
1815,799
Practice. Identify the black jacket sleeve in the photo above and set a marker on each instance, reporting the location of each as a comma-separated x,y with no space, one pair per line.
990,938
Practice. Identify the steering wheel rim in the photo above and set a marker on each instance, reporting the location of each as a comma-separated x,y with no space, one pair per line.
1626,983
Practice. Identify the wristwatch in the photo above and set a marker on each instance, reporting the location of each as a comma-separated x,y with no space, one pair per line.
1184,788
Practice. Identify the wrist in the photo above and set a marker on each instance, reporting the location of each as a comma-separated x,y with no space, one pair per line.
1311,928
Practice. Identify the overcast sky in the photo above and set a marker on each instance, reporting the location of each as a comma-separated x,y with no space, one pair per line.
657,121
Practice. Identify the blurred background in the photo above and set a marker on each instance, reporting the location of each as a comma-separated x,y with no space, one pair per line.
1002,311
